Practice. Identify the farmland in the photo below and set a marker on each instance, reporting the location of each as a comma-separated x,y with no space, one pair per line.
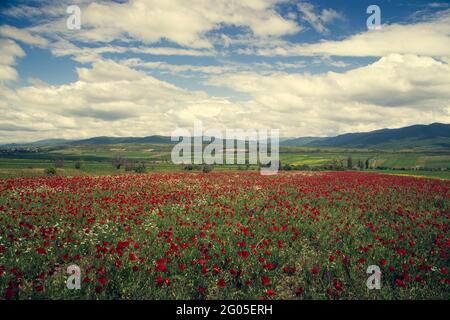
225,235
97,159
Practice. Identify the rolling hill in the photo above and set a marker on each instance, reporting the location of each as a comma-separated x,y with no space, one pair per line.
433,135
122,140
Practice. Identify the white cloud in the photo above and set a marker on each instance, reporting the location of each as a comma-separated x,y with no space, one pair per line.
22,35
408,84
62,47
396,90
8,54
175,68
107,99
318,20
185,23
113,99
108,71
430,38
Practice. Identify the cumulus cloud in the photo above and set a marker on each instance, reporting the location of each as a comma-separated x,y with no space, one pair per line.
431,38
62,47
186,23
182,22
22,35
8,54
318,20
117,96
395,90
107,99
110,98
176,68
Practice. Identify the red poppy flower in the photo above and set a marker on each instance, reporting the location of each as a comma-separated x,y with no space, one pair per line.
270,293
205,270
221,283
160,281
87,280
299,291
265,281
10,293
244,254
400,283
132,256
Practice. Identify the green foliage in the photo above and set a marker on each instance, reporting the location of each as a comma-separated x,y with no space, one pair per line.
207,168
140,167
78,164
118,162
50,171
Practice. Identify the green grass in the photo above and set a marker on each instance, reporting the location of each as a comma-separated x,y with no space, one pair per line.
445,175
97,159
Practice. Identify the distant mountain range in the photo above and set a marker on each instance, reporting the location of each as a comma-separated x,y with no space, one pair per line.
124,140
433,135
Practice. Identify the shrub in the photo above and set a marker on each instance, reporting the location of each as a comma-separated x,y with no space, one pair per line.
78,164
140,168
50,171
118,162
207,168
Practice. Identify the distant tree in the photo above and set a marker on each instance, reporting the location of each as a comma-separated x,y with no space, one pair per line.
337,164
50,171
78,164
367,163
207,168
360,164
118,162
349,162
140,167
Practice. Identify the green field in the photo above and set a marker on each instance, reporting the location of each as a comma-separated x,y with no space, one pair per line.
97,160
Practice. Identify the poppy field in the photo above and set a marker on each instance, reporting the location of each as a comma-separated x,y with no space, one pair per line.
229,235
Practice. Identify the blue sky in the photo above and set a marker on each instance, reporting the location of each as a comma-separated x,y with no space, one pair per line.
147,67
